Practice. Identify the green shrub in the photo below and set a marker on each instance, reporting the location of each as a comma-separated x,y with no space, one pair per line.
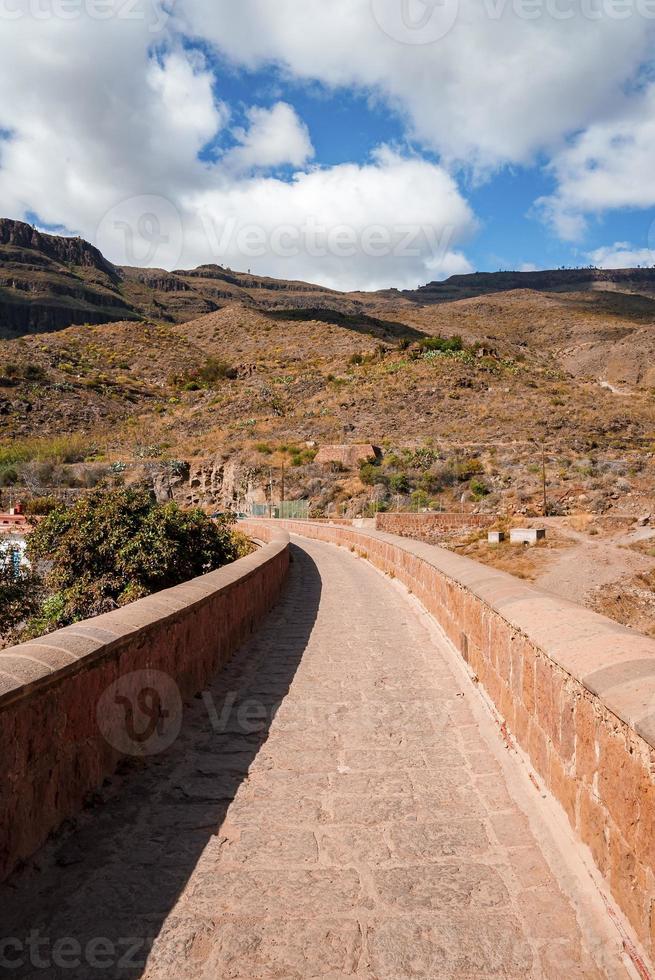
8,475
441,344
399,483
19,595
371,475
479,489
114,546
41,506
466,469
57,449
216,370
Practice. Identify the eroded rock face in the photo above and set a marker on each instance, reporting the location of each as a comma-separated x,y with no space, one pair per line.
217,482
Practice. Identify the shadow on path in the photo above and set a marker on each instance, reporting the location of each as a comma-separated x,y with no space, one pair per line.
93,900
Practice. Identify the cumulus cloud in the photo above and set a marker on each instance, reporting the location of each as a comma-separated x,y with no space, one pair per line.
392,221
608,166
500,81
621,255
508,78
274,137
103,112
94,116
112,151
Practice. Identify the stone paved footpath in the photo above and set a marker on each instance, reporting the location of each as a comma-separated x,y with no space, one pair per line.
351,811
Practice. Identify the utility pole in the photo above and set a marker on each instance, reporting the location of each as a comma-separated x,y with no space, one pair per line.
282,494
544,479
270,494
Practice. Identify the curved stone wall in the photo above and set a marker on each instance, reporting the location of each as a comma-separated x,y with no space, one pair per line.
575,690
75,702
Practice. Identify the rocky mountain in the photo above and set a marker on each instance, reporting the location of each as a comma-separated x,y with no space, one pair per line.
631,281
48,282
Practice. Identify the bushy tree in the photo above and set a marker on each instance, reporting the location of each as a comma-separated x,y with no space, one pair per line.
117,545
19,595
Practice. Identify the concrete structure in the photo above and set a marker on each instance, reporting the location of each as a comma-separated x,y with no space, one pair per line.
496,537
527,535
340,802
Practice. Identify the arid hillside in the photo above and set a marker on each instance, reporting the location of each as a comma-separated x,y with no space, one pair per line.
460,395
48,282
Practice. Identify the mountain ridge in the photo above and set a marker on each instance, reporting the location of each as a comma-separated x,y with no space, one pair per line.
49,282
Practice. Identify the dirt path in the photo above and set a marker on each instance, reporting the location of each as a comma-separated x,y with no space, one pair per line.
352,811
591,563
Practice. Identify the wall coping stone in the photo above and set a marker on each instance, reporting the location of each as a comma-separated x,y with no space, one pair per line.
39,663
613,662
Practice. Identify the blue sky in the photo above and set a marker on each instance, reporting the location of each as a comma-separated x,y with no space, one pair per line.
346,126
357,143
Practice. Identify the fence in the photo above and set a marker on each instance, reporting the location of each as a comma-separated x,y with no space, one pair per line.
289,510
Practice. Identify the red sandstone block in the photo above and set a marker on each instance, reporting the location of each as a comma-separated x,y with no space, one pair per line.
516,664
521,726
568,700
626,881
538,749
544,695
493,685
563,786
645,841
587,722
620,777
499,651
507,705
593,827
528,679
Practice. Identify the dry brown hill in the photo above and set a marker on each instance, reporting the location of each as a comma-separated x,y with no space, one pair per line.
216,365
48,282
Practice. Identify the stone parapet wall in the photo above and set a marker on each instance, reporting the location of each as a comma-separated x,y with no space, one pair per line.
62,731
430,527
575,690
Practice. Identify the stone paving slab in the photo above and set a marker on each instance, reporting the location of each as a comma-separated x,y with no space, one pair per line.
367,826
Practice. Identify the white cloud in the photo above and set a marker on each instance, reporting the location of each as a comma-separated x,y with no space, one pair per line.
103,111
110,150
274,137
393,221
608,166
621,255
506,81
185,101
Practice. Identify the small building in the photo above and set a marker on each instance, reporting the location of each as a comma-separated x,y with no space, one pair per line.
496,537
527,535
13,521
